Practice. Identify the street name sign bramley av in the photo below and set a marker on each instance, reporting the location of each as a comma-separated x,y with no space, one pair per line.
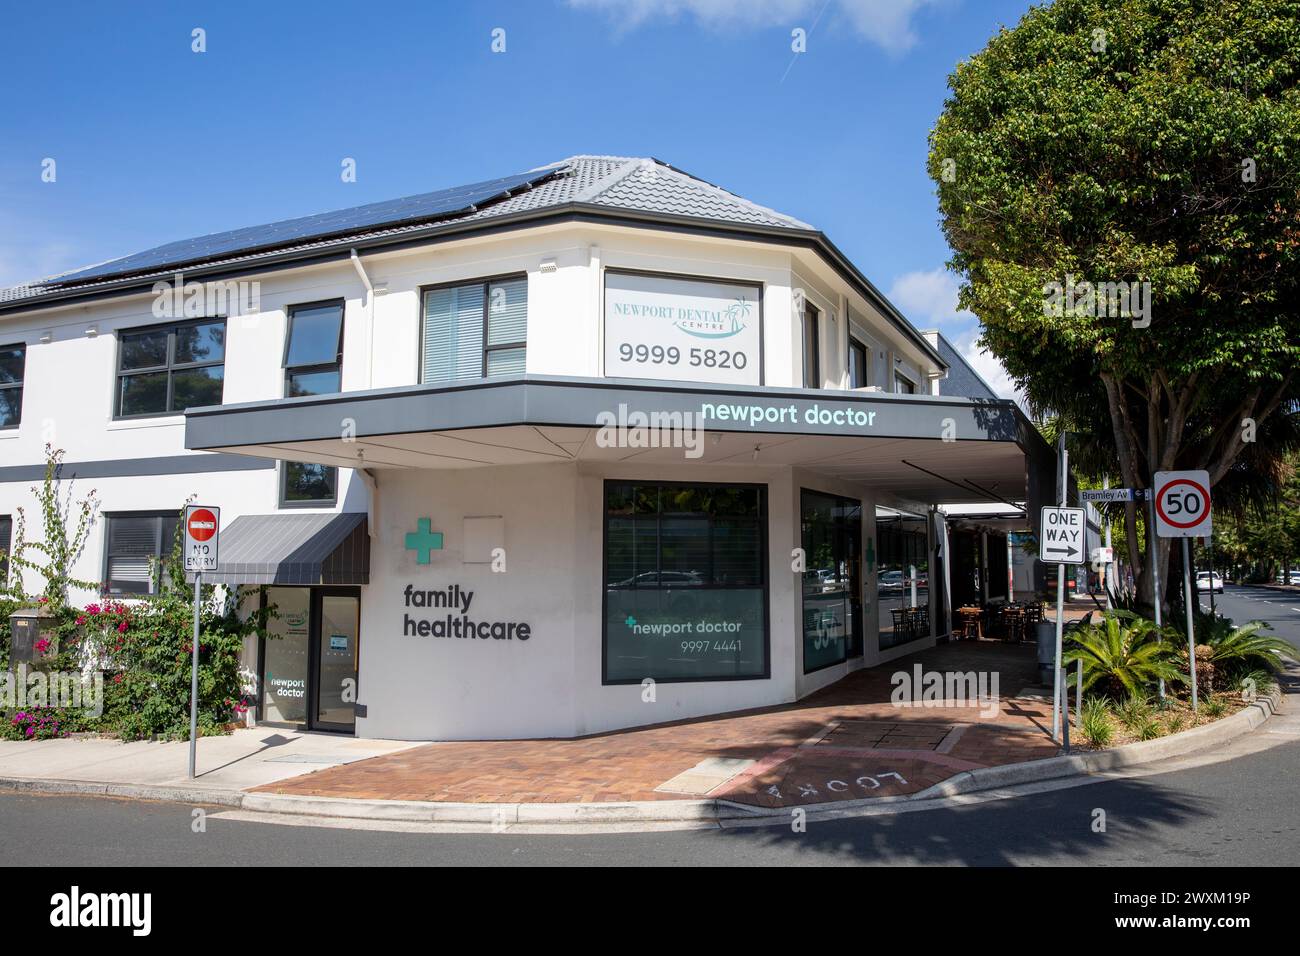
202,532
1182,504
1061,538
1106,495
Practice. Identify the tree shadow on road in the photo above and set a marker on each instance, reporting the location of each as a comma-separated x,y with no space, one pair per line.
1055,827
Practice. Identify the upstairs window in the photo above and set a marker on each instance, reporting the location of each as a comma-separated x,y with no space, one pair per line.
6,542
13,364
313,365
858,359
313,351
137,543
169,368
904,385
475,330
812,366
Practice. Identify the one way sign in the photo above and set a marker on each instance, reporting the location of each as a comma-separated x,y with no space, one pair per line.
1060,539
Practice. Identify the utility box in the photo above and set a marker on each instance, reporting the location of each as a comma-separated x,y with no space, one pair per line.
26,627
1046,635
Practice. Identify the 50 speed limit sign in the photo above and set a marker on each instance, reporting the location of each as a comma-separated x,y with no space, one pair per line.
1182,504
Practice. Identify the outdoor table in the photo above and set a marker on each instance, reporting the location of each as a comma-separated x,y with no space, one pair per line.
972,622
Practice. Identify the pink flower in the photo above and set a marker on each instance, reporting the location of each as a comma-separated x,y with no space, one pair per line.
121,628
43,645
81,619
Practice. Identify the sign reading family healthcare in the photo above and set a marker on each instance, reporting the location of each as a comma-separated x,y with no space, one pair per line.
689,330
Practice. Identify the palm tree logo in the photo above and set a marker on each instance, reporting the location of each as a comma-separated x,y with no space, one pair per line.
735,312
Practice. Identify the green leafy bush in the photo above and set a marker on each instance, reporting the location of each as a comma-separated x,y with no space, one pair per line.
148,646
1134,711
1094,722
1148,729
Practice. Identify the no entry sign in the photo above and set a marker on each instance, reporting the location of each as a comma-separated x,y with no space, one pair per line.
1182,504
202,532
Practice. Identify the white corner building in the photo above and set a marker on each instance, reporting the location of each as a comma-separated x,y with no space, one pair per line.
594,446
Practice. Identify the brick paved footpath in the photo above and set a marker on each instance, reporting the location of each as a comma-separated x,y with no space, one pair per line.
844,742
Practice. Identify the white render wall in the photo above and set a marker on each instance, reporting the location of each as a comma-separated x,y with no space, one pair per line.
420,688
70,380
551,685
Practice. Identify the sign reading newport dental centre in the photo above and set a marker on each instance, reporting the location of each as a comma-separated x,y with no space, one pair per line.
689,330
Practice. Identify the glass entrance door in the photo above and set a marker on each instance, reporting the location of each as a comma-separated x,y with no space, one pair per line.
335,636
286,657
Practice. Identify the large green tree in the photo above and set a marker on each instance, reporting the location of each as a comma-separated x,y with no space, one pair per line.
1138,141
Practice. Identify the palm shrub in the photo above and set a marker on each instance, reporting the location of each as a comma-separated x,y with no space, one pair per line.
1236,652
1123,655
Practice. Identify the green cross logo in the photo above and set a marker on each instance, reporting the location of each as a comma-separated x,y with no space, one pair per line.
422,541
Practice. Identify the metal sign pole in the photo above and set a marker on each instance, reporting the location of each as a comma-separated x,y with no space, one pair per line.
1187,599
194,673
1060,616
1154,544
1209,544
1060,688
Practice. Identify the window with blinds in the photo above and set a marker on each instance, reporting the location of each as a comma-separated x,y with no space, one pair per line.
474,330
6,542
136,543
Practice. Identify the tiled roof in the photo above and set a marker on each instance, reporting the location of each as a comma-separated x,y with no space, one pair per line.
615,182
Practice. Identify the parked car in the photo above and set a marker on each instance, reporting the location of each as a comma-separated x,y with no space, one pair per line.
1282,575
891,581
1209,581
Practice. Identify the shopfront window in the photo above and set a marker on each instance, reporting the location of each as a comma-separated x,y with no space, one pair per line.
831,536
902,577
685,582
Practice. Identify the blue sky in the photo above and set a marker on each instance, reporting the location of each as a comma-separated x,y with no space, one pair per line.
154,142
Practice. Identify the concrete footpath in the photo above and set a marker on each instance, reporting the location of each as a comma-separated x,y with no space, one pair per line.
226,765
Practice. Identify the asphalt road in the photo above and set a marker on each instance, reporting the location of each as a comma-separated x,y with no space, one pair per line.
1237,812
1278,607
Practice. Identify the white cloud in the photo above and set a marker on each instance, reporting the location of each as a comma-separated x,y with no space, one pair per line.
929,300
887,23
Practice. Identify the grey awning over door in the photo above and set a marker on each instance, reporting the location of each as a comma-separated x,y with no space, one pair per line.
294,549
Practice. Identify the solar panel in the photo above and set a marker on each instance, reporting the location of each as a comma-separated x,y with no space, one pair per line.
391,212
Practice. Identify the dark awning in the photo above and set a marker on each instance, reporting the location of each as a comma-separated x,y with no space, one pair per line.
294,549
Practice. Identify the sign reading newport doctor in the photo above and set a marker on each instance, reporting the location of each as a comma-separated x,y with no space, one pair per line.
689,330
